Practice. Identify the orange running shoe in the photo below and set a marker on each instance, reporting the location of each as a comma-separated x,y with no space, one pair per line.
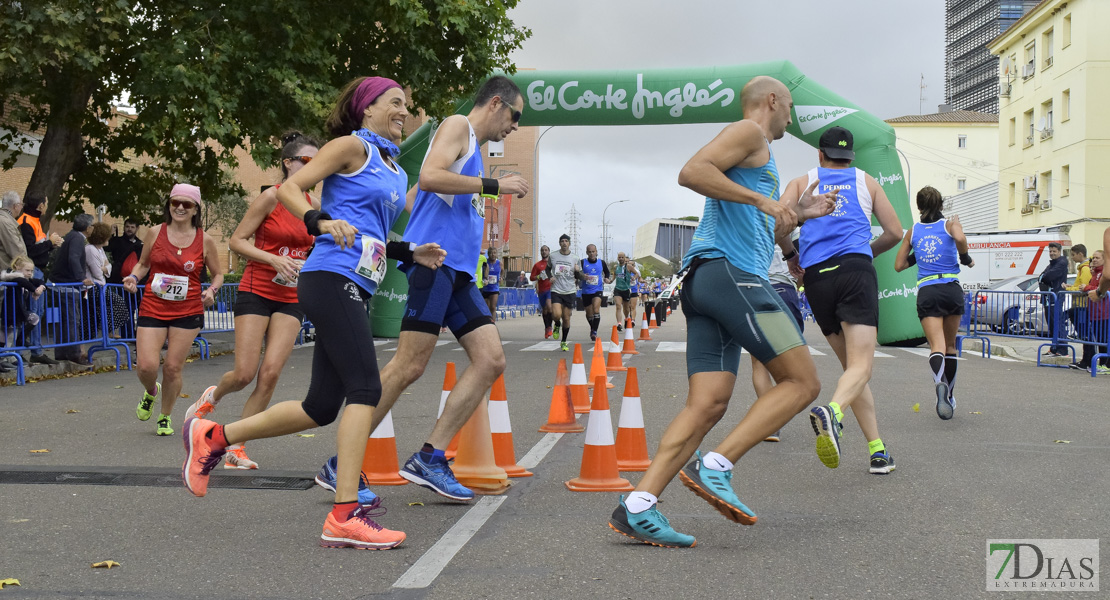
360,531
201,456
237,459
203,406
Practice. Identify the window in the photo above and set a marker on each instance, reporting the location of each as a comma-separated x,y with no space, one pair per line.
495,149
1065,36
961,185
1027,126
1030,61
1046,120
1046,48
1045,181
961,142
1013,195
1065,106
1013,130
1065,180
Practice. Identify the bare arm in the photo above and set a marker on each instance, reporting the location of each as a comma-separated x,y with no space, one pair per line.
1104,283
901,262
341,155
888,219
450,143
240,243
212,261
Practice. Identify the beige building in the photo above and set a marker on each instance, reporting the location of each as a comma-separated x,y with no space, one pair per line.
954,151
1054,142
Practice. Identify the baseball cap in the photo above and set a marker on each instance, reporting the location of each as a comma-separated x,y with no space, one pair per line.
837,143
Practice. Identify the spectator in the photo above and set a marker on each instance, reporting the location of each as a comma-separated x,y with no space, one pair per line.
39,247
97,268
124,247
69,267
1098,317
1052,280
521,280
11,246
1077,313
20,317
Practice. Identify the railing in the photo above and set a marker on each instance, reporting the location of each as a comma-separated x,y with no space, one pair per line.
517,302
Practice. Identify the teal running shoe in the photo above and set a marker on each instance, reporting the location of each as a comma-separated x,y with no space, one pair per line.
649,527
715,487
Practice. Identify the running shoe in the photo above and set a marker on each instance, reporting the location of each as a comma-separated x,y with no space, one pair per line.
882,463
326,479
715,487
593,335
945,406
237,459
435,476
203,406
565,347
201,456
555,330
143,411
774,437
360,531
649,527
827,428
1103,370
547,333
620,328
164,427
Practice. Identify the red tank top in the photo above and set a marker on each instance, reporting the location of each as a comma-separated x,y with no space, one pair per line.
285,235
173,284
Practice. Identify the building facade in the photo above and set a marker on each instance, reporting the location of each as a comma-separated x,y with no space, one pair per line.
970,73
1054,140
954,151
661,243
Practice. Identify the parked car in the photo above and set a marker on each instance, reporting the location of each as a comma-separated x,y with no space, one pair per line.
1013,306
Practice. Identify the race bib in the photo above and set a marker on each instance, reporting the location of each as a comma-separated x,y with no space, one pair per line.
478,201
372,263
170,287
591,279
278,279
562,269
491,280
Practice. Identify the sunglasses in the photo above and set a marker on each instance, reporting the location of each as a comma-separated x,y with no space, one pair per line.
516,114
182,204
303,159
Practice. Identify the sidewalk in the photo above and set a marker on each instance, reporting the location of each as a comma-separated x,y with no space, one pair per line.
1024,349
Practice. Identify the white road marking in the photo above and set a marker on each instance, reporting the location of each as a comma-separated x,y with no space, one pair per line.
547,346
671,347
428,567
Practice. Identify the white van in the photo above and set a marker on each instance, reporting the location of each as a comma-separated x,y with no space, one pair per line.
1003,254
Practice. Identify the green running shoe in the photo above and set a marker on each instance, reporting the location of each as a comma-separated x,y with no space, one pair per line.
565,347
164,425
143,410
649,527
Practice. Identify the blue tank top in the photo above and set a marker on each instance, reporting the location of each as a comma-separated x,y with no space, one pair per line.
848,229
936,253
741,233
594,272
370,199
493,276
455,222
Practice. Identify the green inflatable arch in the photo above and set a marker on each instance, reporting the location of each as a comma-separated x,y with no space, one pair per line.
699,95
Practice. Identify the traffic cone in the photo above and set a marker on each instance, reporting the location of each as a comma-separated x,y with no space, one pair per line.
629,340
448,385
653,324
475,466
632,453
379,464
614,363
579,396
645,329
561,417
599,456
597,365
615,341
501,431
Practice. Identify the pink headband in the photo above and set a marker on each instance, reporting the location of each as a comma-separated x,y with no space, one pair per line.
185,190
367,92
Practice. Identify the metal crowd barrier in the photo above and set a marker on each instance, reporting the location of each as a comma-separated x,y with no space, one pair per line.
517,302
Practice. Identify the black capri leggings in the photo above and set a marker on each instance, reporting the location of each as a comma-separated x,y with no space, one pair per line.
344,365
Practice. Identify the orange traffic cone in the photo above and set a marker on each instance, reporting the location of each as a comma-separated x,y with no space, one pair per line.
629,339
615,341
379,464
579,396
614,363
597,365
653,324
669,311
448,385
475,466
632,454
599,457
645,329
561,417
501,431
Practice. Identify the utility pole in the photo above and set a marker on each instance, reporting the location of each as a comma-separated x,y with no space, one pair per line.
572,228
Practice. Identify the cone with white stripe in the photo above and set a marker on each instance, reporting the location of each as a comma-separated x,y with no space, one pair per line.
579,395
474,465
632,452
501,431
597,365
599,456
629,339
448,385
561,418
614,355
379,463
645,330
653,310
615,341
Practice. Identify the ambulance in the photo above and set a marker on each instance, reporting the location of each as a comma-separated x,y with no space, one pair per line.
1004,254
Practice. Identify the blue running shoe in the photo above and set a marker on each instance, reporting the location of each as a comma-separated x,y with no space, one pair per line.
827,428
326,479
435,476
945,406
882,463
649,527
715,487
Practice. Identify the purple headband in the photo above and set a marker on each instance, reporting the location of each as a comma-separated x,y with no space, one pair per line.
367,92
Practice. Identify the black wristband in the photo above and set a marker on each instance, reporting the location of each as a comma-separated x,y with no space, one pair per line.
402,251
312,220
792,254
965,259
490,186
911,259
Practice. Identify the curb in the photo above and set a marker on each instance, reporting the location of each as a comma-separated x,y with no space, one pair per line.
103,360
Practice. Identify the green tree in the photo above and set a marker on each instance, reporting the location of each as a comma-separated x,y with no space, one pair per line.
206,76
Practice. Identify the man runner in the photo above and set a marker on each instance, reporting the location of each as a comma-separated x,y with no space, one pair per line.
564,268
543,289
596,275
626,276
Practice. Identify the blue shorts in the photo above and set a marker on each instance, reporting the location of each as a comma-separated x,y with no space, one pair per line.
443,298
727,309
544,298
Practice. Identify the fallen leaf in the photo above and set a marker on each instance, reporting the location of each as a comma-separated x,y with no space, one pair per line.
43,451
1062,442
306,435
119,387
19,520
72,411
9,581
974,412
105,564
416,504
916,407
658,366
183,395
549,387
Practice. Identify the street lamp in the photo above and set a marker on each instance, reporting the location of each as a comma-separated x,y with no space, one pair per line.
531,234
536,185
605,231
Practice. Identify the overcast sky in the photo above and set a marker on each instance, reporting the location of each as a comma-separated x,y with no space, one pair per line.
872,52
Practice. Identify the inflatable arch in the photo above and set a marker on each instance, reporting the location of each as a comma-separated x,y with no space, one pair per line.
698,95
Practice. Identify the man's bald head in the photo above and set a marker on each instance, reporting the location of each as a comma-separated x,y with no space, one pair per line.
755,92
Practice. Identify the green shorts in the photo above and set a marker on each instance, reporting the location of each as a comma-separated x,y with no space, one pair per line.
728,309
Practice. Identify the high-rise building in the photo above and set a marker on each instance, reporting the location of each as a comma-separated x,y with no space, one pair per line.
971,71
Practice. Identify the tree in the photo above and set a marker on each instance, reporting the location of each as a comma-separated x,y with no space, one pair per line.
206,76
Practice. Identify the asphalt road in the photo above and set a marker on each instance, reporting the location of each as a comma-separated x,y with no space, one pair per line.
996,471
